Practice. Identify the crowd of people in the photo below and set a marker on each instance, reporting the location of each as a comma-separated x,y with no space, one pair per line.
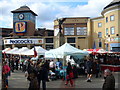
42,71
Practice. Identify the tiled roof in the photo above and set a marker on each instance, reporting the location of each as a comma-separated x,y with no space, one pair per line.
23,9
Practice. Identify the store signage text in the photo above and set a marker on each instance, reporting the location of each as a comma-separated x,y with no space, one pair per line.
21,41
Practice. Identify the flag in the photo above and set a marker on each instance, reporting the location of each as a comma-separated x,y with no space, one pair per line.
35,52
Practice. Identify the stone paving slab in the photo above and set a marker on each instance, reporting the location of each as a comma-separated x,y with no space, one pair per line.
18,80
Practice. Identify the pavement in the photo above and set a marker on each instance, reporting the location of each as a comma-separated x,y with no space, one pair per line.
0,76
18,80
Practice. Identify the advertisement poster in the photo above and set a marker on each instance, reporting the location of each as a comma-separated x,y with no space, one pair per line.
20,27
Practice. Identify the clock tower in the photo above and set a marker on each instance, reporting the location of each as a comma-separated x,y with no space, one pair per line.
24,21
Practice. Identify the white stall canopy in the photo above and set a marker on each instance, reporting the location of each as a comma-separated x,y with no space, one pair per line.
21,50
39,50
5,50
12,50
64,50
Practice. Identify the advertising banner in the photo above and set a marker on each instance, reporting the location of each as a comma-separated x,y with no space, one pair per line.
20,27
23,41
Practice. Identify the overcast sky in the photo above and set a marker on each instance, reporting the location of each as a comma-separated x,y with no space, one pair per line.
49,10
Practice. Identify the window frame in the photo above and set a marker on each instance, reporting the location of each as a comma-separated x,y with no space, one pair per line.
81,30
100,35
106,19
111,17
107,31
68,39
99,24
69,33
112,30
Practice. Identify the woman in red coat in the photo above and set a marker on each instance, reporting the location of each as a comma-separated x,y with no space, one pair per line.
69,74
5,72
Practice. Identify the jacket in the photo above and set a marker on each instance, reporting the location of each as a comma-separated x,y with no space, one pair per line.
109,83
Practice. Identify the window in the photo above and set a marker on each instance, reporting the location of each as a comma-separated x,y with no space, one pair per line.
99,34
71,40
99,24
112,30
68,31
106,31
112,18
48,47
73,45
49,40
100,44
106,19
81,30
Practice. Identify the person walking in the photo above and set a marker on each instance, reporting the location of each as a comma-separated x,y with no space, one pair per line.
69,75
5,72
52,66
12,64
42,75
109,83
97,69
88,66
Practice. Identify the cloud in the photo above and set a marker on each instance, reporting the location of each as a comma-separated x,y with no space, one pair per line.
49,10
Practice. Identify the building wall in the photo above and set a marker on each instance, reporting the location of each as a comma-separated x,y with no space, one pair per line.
96,29
112,40
80,40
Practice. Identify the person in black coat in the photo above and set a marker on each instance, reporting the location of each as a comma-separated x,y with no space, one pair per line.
42,75
88,66
109,83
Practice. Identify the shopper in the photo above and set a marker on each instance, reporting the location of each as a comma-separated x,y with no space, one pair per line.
109,83
88,66
42,75
69,75
5,72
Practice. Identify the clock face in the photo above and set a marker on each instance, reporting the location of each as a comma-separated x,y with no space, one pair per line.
21,16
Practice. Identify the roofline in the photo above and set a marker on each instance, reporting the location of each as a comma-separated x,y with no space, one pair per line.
25,11
97,18
111,4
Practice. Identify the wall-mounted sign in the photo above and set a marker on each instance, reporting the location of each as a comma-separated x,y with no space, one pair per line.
20,27
23,41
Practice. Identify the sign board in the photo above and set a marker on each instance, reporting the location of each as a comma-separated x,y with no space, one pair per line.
23,41
20,27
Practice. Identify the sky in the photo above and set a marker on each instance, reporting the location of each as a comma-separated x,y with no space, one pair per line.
50,10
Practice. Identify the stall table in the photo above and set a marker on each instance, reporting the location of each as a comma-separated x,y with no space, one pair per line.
113,68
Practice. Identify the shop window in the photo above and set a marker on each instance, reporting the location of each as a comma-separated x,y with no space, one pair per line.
99,34
112,17
99,24
49,40
71,40
69,31
112,29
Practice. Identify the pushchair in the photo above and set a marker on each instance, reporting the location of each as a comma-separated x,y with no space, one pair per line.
52,75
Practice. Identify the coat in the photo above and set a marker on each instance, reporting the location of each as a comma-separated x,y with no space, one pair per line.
109,83
42,74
